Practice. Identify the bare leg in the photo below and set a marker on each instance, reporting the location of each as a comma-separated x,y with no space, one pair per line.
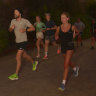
26,56
42,43
92,41
38,46
46,46
18,59
67,60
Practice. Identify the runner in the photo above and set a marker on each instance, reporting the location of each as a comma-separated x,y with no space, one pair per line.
50,34
40,28
93,34
80,26
67,33
20,27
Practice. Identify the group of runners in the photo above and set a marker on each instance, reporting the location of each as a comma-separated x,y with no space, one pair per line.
66,33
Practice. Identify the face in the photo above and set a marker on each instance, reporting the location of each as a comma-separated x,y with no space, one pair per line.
64,19
37,18
47,17
16,14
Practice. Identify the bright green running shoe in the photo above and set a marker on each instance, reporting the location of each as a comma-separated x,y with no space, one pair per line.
35,65
13,77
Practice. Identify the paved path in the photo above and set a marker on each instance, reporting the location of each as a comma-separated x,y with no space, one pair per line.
46,79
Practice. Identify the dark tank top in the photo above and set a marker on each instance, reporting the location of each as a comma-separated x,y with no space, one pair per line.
66,37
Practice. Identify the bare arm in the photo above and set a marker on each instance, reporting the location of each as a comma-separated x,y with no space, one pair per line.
11,28
75,31
31,28
57,33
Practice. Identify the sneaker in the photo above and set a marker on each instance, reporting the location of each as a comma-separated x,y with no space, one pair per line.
76,73
13,77
58,51
35,65
62,87
45,57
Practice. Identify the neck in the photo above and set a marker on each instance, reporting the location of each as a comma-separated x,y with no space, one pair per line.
39,21
18,19
65,24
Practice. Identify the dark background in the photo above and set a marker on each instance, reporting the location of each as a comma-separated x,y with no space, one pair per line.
83,9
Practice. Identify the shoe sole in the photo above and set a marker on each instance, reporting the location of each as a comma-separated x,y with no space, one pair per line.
13,79
61,89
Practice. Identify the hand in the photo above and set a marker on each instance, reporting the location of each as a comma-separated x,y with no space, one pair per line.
13,26
22,30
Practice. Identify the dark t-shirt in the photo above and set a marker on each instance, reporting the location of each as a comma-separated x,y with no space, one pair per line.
50,24
93,29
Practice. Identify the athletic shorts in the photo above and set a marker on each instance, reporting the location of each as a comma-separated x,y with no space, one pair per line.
81,33
39,35
22,45
67,46
51,38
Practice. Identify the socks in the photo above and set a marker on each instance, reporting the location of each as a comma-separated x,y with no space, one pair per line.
46,53
74,69
64,82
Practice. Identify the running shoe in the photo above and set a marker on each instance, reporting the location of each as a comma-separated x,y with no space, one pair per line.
35,65
45,57
62,87
13,77
76,73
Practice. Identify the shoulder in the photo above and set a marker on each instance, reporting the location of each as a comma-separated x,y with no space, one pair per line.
13,20
23,19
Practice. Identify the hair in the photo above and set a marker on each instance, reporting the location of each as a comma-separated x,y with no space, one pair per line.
39,17
20,11
47,14
66,14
